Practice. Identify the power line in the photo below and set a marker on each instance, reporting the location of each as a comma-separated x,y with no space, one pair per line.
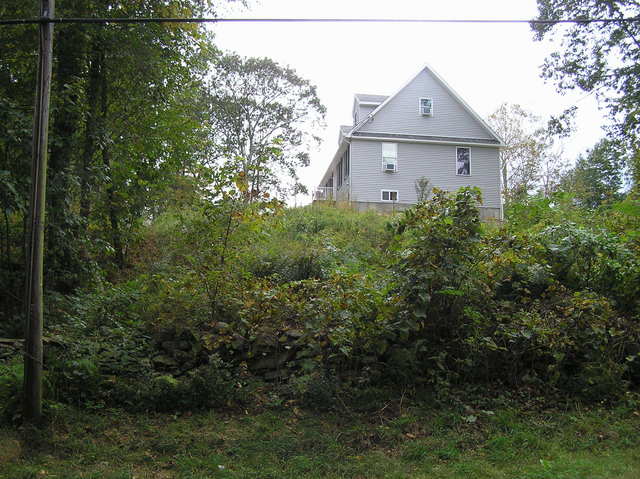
30,21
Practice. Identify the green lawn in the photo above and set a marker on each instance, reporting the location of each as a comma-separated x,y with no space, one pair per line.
415,442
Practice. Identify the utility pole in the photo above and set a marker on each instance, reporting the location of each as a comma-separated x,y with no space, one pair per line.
35,306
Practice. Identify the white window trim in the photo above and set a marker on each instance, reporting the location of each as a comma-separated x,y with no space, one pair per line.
382,157
456,161
390,191
420,106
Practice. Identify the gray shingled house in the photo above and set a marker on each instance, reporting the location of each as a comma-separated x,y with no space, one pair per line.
424,130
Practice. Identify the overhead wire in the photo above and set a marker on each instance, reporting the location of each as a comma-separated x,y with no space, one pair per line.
28,21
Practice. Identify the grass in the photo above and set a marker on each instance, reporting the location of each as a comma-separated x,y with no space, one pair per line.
416,442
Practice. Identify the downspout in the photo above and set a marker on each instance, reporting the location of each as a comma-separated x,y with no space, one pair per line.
350,168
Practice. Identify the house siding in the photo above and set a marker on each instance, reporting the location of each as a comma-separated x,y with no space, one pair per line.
401,115
436,162
364,111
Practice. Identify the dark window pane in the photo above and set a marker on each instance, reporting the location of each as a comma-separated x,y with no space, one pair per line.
463,163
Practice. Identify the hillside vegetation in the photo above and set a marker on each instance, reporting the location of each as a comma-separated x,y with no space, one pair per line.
196,327
323,342
323,306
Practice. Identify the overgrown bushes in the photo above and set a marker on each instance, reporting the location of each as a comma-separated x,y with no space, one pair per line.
316,302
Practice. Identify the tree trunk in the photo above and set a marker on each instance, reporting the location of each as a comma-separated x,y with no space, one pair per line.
70,59
504,182
35,304
91,129
116,238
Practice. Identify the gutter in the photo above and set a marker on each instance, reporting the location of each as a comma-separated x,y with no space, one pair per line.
433,142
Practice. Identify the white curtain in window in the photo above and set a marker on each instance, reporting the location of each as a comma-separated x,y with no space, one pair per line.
390,151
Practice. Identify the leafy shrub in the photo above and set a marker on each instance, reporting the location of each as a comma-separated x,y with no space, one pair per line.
583,258
75,381
295,261
11,377
315,390
436,246
210,386
326,304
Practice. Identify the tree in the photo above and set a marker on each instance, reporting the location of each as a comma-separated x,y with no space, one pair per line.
423,188
600,58
520,159
597,176
257,104
552,167
126,127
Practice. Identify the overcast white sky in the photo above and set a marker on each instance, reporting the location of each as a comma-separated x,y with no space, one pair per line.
487,64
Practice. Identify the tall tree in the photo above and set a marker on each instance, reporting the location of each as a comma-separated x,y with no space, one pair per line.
600,58
521,158
598,175
18,66
126,119
256,104
552,168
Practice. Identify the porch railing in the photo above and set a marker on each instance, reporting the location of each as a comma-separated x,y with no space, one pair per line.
323,193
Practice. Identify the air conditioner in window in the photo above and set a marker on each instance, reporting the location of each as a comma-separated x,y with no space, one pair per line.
389,167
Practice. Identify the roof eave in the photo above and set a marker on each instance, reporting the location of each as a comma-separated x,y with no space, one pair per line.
345,141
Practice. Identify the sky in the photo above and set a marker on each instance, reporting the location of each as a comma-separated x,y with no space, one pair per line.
487,64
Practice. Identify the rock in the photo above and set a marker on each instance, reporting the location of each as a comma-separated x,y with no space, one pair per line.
295,333
271,362
10,451
265,340
270,375
238,342
164,362
221,326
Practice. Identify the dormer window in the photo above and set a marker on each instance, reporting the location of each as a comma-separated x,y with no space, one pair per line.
426,106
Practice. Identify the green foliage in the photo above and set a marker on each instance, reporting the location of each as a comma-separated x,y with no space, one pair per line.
213,385
602,58
436,285
597,177
573,342
127,131
586,259
416,440
536,212
11,377
311,242
233,301
255,103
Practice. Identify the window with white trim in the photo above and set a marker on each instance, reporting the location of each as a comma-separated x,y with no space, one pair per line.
463,161
389,195
425,106
390,157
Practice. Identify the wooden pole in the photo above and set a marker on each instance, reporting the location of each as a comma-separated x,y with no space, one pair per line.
34,319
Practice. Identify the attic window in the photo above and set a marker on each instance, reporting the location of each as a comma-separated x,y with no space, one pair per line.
426,106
